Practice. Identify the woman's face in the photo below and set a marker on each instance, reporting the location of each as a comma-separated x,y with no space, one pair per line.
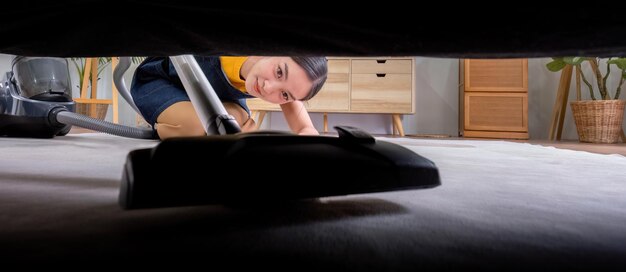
277,80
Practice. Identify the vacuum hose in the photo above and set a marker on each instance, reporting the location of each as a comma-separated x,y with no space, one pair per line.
63,116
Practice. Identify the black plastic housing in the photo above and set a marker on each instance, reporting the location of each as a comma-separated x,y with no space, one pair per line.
268,167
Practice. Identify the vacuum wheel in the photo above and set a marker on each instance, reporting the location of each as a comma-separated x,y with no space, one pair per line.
64,131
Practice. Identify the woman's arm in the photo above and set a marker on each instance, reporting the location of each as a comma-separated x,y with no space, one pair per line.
298,118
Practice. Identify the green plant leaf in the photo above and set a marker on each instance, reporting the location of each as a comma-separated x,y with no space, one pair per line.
136,60
556,65
620,62
104,60
573,60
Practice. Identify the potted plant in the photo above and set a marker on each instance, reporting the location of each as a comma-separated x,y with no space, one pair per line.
80,65
600,119
92,106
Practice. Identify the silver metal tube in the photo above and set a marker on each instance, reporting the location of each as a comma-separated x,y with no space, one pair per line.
118,79
205,101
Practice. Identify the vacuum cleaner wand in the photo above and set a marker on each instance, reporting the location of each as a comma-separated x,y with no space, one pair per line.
208,106
118,80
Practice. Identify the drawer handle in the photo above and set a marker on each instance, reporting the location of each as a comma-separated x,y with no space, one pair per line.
381,61
381,75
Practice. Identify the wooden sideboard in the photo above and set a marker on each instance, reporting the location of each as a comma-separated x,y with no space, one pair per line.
494,98
360,85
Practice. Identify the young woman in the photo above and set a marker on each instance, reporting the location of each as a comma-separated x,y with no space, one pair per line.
160,96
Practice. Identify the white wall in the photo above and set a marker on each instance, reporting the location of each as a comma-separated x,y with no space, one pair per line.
542,86
5,63
436,101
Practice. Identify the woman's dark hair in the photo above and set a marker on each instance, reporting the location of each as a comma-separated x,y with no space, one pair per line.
316,68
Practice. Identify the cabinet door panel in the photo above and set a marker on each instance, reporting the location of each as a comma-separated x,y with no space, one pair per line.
335,95
509,75
496,111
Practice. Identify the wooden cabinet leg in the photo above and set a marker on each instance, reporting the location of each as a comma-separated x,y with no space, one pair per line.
260,119
85,79
94,86
398,124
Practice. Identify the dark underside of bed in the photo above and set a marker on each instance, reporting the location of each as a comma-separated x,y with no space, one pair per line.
139,28
346,234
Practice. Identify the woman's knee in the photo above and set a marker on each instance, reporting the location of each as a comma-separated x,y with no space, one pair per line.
165,130
238,112
179,120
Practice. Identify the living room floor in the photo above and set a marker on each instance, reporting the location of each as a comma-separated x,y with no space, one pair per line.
618,148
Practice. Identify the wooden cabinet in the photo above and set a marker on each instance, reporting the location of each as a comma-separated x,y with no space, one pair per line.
335,95
382,86
494,98
362,85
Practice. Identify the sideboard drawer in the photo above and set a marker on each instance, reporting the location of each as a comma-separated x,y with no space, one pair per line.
391,93
382,66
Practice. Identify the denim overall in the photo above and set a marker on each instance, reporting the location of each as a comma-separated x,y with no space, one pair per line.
156,86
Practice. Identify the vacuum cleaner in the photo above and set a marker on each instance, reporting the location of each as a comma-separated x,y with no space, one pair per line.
230,167
36,101
224,167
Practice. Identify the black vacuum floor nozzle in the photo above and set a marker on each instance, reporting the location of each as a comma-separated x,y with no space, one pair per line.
269,167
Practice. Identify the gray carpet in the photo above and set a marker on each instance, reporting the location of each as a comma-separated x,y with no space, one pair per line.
501,205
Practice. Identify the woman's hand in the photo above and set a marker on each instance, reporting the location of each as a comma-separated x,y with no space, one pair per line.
308,131
298,118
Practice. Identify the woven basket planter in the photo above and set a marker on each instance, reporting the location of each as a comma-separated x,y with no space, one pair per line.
85,109
598,121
